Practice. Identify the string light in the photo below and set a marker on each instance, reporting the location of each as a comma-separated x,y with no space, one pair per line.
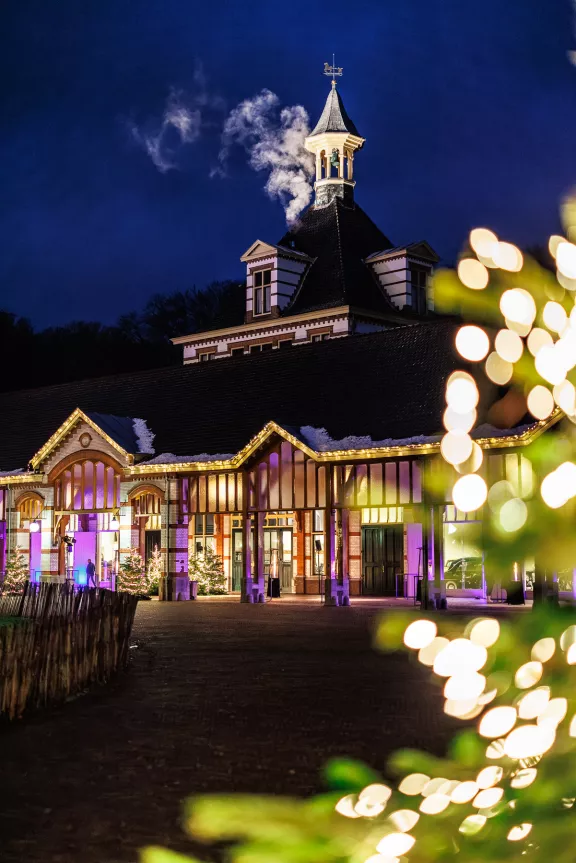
472,343
554,317
420,634
498,370
508,257
473,274
509,346
518,305
461,392
483,241
566,259
540,402
497,721
469,492
456,446
461,421
537,339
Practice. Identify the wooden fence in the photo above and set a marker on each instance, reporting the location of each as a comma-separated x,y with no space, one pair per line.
55,641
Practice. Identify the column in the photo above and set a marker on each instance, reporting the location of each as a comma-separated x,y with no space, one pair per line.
426,530
341,163
343,576
246,584
175,542
259,568
318,165
438,525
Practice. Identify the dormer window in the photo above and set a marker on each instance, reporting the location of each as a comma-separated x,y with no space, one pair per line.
418,283
262,291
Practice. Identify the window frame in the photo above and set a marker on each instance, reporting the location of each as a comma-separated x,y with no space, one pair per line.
262,292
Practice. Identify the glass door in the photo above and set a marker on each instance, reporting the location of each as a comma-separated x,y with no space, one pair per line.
278,557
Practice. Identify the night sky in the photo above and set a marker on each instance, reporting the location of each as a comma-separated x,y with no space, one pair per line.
468,108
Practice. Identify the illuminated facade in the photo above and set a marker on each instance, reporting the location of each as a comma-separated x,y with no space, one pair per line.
312,462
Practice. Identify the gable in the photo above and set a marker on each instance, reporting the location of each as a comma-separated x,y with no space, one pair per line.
78,434
259,249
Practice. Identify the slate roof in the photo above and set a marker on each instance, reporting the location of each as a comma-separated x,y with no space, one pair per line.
334,117
120,429
338,237
388,384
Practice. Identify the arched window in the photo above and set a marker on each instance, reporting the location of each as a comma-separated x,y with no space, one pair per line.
146,503
88,484
29,505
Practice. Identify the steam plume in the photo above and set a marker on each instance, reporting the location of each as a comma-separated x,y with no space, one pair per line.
274,141
182,122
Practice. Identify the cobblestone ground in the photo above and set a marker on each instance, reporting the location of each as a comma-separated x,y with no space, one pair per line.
219,697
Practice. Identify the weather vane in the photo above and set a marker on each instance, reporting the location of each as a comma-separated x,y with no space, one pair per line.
333,70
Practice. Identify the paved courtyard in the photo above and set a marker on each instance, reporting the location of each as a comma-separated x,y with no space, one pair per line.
219,697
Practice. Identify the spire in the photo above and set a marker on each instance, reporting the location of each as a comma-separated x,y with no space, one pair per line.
334,140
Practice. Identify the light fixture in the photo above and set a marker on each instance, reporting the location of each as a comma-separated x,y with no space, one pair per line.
34,527
114,523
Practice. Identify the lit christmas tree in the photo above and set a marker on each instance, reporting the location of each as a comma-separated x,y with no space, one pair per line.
17,573
155,568
132,576
207,569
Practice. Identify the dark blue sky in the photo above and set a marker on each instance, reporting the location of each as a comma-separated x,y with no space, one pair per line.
468,108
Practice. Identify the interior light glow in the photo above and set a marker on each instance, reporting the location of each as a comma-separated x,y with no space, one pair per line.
34,527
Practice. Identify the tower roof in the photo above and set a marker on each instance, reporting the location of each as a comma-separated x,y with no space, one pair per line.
334,117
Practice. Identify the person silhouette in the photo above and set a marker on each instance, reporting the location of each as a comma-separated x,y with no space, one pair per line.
91,573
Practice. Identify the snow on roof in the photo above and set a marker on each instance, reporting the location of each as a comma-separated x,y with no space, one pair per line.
170,458
144,437
320,441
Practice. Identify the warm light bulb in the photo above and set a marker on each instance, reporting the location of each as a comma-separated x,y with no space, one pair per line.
508,257
461,392
456,446
538,339
554,317
566,259
395,844
483,242
518,305
498,370
497,721
420,634
540,402
529,741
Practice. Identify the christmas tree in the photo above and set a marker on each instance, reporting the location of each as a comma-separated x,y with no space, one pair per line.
155,568
16,574
132,576
207,569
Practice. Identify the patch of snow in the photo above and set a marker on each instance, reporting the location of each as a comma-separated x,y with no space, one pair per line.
16,472
144,437
487,430
320,441
170,458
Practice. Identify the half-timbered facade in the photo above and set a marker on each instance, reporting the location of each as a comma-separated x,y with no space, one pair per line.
310,464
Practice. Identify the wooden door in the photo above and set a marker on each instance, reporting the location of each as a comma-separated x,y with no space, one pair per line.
383,560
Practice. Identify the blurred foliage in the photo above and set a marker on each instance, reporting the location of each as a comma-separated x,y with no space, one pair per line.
261,829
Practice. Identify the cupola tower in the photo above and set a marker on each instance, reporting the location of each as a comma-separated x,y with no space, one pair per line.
333,142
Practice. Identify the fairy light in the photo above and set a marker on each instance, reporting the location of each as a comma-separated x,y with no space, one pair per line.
518,306
345,807
434,804
489,776
420,634
473,462
549,365
497,721
554,317
456,446
553,244
568,637
460,656
529,740
509,346
544,649
395,844
427,655
508,257
487,798
498,370
473,274
464,687
538,339
559,485
565,397
469,492
413,784
534,703
540,402
461,392
459,421
485,632
404,820
483,241
554,713
472,824
528,674
472,343
566,259
464,792
519,832
524,777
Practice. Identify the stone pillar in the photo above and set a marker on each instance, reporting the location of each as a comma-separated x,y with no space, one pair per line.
438,539
259,579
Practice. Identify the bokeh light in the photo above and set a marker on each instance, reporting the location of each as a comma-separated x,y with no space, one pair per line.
483,241
462,421
544,649
456,446
513,515
473,274
538,339
519,832
395,844
518,305
540,402
566,259
498,370
497,721
554,317
461,392
549,365
529,740
509,346
420,634
460,656
485,632
528,674
434,804
469,492
534,703
472,343
413,784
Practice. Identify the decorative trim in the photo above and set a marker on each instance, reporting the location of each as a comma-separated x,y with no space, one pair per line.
66,427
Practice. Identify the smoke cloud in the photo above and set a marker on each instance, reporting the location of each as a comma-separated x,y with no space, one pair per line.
274,141
182,122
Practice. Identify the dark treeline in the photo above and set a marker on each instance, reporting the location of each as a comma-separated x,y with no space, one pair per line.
139,340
